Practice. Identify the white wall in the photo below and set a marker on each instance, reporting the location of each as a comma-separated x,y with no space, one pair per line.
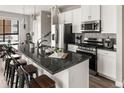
120,47
35,28
41,26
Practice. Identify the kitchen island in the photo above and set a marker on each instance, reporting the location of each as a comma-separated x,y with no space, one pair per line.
72,72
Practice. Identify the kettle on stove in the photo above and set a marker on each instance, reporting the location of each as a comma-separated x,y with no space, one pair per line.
108,43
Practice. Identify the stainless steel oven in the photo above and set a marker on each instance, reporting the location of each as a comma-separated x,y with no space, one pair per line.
91,26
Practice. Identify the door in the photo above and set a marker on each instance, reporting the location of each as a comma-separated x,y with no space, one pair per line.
107,63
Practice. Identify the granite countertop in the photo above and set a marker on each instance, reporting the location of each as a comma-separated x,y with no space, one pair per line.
54,65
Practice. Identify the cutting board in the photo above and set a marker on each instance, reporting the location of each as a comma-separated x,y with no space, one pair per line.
59,55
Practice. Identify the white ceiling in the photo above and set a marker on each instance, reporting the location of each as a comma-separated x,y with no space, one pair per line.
29,9
24,9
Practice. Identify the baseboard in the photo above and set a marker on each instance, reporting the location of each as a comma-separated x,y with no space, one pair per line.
106,77
119,84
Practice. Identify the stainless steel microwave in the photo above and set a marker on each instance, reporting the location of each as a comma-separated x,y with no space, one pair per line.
91,26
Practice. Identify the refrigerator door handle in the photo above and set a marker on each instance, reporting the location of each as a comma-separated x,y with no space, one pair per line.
53,36
57,35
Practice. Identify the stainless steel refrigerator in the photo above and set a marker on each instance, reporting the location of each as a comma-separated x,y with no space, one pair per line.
61,35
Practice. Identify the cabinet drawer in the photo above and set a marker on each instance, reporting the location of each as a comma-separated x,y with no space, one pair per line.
106,52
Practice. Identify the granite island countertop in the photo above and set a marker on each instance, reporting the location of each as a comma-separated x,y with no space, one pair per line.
54,65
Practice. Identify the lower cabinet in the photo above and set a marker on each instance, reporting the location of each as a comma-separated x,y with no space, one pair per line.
107,63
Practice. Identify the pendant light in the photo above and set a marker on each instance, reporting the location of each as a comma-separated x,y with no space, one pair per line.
24,18
34,15
54,14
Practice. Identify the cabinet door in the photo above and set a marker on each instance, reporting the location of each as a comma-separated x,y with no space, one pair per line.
109,18
76,22
68,17
95,12
100,63
107,64
61,18
85,13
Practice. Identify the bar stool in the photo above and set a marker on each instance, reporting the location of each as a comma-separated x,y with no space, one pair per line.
14,67
7,63
42,81
30,70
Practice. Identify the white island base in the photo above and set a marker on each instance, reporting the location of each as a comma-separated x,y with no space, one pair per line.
76,76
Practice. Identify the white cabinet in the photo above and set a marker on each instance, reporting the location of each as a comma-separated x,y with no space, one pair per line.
90,12
61,18
68,17
76,21
85,13
107,63
109,18
72,47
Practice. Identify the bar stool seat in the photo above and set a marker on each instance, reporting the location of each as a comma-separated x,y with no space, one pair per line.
30,69
42,81
33,84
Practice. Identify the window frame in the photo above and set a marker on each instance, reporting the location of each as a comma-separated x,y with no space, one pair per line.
4,34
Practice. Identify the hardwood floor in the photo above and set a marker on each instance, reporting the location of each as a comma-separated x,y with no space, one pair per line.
100,82
95,81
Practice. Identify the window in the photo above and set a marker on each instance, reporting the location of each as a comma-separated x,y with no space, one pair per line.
9,30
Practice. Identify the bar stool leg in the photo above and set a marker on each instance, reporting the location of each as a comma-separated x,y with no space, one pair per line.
12,76
7,69
21,81
6,65
9,74
16,85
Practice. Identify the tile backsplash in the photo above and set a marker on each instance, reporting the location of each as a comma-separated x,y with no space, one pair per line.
96,35
100,35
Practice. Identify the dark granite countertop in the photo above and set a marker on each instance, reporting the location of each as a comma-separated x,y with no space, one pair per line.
54,65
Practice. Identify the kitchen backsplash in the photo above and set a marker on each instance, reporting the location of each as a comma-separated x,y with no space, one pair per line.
100,35
96,35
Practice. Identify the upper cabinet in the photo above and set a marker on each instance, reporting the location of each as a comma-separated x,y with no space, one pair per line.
65,17
61,18
76,21
90,12
108,19
74,17
68,17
